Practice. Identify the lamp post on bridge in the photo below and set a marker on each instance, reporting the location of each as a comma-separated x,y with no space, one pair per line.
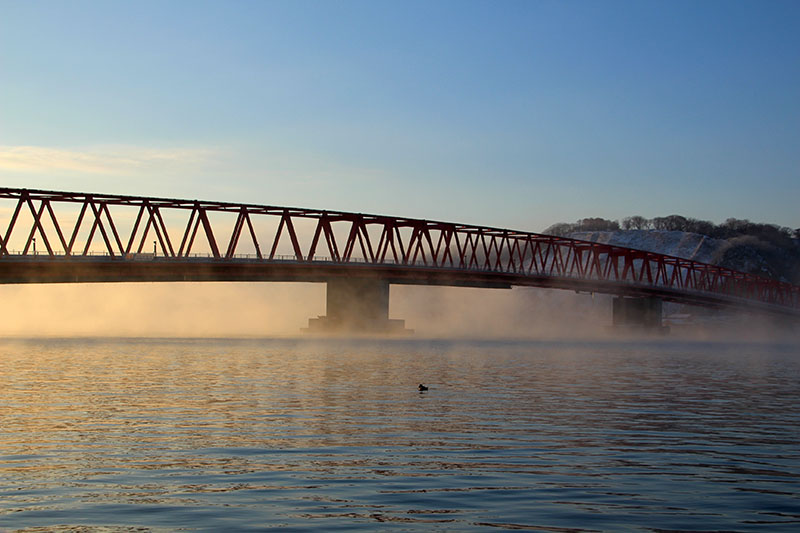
154,248
34,246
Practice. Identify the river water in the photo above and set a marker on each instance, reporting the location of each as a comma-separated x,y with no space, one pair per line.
248,435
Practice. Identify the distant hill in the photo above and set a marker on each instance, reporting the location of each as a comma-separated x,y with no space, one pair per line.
676,243
745,253
763,249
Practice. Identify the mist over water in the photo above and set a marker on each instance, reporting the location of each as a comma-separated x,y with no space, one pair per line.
160,309
247,435
213,309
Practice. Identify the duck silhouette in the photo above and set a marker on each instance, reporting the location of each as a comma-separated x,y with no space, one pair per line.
422,387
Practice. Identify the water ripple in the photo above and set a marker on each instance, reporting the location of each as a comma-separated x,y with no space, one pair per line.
209,435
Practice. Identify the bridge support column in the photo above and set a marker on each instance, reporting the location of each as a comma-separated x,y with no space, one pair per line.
639,313
357,305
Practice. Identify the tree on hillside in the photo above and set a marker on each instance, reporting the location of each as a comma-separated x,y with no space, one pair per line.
563,229
597,224
670,223
635,222
734,227
560,229
703,227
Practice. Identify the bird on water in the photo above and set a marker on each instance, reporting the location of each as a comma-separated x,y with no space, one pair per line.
422,387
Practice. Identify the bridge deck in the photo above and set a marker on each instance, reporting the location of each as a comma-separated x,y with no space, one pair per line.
105,269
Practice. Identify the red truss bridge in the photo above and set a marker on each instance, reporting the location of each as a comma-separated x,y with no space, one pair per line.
64,237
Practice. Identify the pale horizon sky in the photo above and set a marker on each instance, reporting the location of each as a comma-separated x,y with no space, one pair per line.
515,114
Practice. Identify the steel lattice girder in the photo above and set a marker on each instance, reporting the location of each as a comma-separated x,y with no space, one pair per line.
395,241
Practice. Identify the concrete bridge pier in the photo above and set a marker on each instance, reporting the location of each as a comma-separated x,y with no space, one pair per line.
639,313
357,306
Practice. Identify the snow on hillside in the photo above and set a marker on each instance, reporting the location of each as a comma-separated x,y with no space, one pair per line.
675,243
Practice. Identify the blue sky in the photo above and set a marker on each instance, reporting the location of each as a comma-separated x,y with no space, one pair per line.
515,114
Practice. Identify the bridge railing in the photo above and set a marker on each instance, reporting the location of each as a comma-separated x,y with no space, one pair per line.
76,225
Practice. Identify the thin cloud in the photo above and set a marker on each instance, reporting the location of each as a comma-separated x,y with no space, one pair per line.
104,160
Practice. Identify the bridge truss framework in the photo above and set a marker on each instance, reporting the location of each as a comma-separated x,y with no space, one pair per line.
100,237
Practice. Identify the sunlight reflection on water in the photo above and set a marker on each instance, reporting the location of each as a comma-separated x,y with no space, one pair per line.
252,434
